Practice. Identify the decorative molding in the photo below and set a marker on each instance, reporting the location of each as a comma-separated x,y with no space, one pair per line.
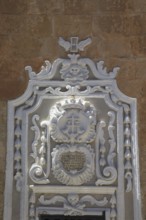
113,202
80,65
74,90
127,145
73,70
112,142
32,202
74,205
17,156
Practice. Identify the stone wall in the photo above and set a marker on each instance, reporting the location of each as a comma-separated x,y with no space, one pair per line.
29,32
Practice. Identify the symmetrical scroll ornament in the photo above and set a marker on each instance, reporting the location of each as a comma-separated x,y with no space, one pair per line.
73,121
73,204
74,90
109,175
73,164
73,70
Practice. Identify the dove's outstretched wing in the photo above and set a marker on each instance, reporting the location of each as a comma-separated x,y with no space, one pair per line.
65,44
82,44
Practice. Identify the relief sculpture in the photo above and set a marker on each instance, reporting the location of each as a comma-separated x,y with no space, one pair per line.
72,143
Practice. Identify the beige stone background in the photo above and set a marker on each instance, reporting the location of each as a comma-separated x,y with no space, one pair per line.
29,31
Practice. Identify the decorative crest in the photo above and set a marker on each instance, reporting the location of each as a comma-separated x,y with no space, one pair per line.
73,121
74,69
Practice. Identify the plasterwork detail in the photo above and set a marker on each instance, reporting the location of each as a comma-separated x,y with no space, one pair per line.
127,146
17,156
74,205
32,202
73,121
72,141
74,90
73,176
109,170
113,212
38,172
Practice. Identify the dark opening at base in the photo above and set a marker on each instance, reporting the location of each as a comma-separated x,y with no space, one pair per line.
62,217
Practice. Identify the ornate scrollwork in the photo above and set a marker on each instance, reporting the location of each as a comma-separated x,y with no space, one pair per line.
73,121
73,70
73,90
36,129
39,148
77,169
73,204
109,171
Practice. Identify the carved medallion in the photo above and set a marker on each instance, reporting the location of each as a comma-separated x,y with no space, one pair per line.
73,121
73,165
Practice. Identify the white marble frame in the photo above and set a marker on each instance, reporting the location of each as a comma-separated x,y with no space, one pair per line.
10,153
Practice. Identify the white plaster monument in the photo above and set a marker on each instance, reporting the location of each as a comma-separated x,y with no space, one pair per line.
72,143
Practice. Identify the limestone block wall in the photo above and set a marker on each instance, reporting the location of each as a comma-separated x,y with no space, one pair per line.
29,32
